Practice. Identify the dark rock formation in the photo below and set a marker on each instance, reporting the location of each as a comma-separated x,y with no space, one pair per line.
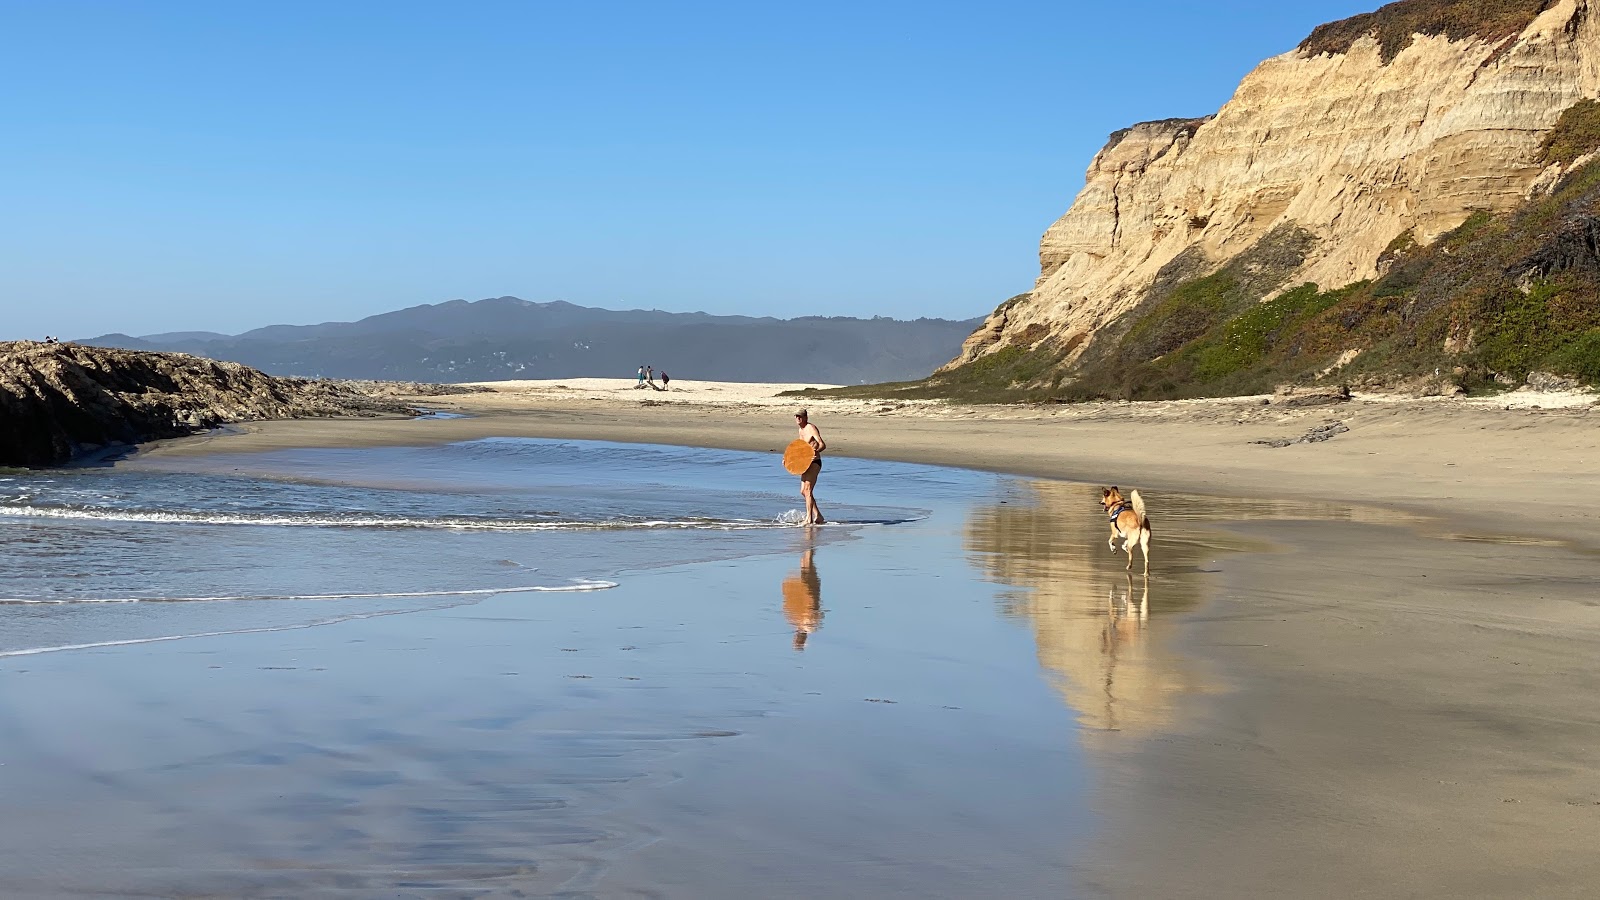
1296,396
1317,435
58,401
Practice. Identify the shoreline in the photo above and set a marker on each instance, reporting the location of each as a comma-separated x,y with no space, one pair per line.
1364,695
1487,469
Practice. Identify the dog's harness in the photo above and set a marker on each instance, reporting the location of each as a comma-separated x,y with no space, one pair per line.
1118,510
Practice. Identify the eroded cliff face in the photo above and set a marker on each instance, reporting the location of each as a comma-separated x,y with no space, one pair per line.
1348,147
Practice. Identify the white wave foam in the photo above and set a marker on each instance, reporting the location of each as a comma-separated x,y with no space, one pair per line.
369,521
582,585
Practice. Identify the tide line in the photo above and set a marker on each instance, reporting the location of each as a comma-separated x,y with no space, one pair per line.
352,617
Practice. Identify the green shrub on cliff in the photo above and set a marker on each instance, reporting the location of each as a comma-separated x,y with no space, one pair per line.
1189,311
1245,340
1577,132
1580,357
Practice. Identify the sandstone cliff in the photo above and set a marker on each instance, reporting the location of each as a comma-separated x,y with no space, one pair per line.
60,400
1386,131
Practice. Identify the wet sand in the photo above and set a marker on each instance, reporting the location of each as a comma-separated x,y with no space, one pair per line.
1408,717
1374,675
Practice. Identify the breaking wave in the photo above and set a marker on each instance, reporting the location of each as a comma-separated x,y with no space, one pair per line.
371,520
580,585
788,519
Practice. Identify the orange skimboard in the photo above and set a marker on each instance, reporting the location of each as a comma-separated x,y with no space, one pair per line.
798,457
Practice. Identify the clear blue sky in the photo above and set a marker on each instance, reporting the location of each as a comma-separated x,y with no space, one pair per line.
221,166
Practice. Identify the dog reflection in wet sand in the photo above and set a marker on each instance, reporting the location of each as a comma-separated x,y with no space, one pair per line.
1129,522
1120,641
1126,618
802,599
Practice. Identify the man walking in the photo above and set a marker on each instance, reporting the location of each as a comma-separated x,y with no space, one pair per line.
808,480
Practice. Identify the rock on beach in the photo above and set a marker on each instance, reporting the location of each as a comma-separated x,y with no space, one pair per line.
61,400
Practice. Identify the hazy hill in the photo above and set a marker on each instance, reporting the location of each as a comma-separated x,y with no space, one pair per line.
505,337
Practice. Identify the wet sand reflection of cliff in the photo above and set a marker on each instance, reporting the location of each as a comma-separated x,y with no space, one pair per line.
1098,629
802,599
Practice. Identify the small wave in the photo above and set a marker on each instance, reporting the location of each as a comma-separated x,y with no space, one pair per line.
582,585
786,519
370,521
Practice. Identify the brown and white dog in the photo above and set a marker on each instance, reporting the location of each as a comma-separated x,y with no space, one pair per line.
1128,522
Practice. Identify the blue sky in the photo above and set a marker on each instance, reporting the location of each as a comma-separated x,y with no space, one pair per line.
221,166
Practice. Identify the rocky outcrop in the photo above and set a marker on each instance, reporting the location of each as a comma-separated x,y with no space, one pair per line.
1403,122
58,401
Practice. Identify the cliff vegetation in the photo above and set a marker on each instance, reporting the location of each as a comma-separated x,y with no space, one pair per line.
1396,25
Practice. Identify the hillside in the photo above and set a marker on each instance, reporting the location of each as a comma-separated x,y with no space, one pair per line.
1406,192
508,338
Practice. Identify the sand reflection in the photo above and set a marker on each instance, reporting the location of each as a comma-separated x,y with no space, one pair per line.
1098,629
802,599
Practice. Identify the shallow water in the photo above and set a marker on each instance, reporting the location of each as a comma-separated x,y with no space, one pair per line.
291,538
516,667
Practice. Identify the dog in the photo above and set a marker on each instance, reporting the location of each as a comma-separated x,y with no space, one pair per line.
1129,522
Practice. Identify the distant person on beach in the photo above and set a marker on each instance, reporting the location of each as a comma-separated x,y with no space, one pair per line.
641,378
649,376
665,380
808,480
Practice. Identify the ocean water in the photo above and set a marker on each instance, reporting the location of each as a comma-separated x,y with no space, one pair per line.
304,537
512,667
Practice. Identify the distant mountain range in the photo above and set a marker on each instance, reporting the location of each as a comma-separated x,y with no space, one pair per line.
507,338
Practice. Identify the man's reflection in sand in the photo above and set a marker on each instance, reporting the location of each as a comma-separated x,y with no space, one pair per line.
802,599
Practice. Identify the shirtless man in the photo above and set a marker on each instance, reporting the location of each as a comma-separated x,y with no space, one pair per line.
808,480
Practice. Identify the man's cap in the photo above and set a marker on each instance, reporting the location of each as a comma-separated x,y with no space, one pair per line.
802,414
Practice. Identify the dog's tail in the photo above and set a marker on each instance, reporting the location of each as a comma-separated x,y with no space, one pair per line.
1138,504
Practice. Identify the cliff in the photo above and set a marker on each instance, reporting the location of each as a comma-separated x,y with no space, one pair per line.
1374,139
60,400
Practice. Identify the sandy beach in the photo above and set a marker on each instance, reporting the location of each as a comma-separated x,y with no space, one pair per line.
1521,463
1361,667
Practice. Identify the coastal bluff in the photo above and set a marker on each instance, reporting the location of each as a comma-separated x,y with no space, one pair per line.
62,400
1376,149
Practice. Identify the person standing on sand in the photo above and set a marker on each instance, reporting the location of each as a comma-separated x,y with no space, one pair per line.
808,479
665,380
650,376
641,377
